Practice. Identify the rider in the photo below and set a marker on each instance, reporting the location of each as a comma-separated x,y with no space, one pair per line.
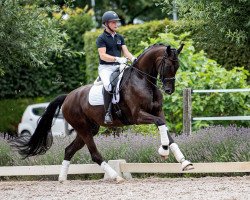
110,46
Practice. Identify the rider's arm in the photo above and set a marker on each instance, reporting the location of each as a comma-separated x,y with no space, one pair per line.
126,53
104,56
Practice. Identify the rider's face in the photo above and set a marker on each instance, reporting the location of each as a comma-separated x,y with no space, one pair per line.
113,25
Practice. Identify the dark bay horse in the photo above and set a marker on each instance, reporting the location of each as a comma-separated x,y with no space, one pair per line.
141,103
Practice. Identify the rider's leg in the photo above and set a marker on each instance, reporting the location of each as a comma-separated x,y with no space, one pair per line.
105,73
107,106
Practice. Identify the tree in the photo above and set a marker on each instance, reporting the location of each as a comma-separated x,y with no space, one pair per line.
221,27
224,20
67,71
27,35
128,10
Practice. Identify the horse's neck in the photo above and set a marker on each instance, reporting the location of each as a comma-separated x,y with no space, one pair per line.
148,62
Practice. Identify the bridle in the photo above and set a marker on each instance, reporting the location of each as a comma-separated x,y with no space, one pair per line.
162,67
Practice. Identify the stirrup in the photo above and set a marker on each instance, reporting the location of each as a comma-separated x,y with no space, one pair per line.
108,119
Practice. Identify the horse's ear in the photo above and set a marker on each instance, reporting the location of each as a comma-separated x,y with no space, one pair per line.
168,50
180,48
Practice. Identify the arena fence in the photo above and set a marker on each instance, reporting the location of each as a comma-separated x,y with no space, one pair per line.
187,108
125,169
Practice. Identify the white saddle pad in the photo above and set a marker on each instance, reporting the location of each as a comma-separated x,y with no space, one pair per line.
95,93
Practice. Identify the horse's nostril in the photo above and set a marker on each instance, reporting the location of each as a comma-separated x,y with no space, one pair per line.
168,91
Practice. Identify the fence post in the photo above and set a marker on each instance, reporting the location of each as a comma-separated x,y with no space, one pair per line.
187,111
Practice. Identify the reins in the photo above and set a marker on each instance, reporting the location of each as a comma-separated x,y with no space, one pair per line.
162,65
148,76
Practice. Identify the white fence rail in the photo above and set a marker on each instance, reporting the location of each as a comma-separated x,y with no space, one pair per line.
123,167
222,90
187,108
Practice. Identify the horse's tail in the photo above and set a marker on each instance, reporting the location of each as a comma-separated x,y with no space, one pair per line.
42,139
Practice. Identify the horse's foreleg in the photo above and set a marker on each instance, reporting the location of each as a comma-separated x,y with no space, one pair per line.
70,150
185,164
166,139
147,118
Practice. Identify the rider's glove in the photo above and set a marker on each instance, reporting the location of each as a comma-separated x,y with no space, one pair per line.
121,60
133,59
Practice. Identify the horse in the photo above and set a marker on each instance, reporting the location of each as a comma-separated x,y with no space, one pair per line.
141,102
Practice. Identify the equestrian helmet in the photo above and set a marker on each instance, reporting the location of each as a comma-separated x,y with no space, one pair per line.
109,16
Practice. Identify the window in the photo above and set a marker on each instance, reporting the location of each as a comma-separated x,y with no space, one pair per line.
38,111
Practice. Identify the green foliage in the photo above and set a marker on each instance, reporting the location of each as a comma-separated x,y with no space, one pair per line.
199,72
11,111
128,10
79,21
221,28
66,74
27,36
226,20
133,35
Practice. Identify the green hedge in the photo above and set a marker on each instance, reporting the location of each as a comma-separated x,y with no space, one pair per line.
12,110
133,35
32,82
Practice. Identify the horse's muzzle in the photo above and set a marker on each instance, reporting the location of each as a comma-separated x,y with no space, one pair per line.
168,85
168,91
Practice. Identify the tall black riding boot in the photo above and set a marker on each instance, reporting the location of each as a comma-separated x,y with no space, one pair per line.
107,106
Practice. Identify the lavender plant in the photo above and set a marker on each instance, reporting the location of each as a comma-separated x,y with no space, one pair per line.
212,144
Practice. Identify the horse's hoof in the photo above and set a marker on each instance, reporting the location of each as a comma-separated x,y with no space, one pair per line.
187,165
164,157
62,179
119,179
163,153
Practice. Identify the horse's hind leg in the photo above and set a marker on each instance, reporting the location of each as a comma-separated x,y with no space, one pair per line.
70,151
96,157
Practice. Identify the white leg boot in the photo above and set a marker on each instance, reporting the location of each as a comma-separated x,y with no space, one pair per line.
64,171
185,164
111,172
164,141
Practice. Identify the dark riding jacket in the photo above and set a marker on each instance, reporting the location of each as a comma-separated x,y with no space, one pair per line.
113,45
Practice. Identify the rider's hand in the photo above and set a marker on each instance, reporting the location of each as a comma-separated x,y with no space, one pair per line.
121,60
133,59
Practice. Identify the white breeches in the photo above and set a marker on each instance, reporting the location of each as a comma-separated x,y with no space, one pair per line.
105,72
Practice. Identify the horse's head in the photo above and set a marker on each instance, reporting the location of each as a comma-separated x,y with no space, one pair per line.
168,67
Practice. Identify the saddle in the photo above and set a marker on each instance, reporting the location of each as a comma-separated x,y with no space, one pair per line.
96,93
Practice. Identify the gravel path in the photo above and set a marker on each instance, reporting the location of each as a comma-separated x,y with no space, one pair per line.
214,188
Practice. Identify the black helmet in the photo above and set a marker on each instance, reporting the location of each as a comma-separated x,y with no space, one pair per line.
109,16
